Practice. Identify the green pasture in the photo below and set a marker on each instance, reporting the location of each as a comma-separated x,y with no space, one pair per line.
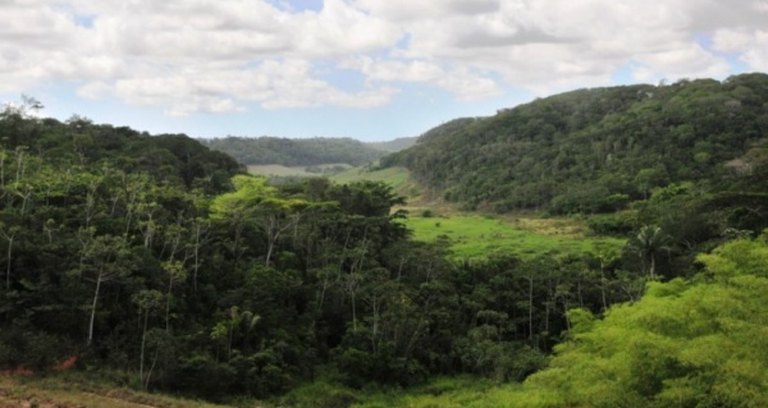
278,170
397,177
473,236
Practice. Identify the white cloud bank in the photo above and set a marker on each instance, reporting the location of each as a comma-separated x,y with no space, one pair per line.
191,56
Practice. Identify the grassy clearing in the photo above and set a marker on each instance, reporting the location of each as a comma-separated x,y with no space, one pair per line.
277,170
397,177
475,236
74,390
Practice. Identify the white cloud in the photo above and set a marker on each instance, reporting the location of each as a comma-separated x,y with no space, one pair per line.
273,84
465,84
690,61
751,47
94,90
216,56
756,57
726,40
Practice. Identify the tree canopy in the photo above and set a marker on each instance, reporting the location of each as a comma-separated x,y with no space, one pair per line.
596,150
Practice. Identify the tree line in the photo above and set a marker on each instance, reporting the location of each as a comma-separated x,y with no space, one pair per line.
598,150
297,152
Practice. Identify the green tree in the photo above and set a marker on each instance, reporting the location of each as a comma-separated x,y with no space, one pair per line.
106,258
147,301
648,243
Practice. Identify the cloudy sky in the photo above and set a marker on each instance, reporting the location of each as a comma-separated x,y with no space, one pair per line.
370,69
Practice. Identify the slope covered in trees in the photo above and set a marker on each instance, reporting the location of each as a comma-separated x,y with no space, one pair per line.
597,150
295,152
394,145
686,343
156,259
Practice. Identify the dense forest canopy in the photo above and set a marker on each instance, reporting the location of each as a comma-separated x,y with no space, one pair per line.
298,152
596,150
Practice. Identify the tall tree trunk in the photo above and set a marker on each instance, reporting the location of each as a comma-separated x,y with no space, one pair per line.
354,313
10,259
375,324
270,247
168,303
93,307
196,265
151,368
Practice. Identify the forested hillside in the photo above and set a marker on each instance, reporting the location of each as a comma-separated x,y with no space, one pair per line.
597,150
394,145
158,261
295,152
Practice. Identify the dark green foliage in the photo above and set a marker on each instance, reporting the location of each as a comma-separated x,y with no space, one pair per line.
620,224
296,152
150,254
593,151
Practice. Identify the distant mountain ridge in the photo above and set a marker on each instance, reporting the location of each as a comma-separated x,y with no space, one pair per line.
304,152
395,145
595,150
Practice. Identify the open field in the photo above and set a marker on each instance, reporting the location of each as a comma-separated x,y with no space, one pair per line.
397,177
277,170
473,236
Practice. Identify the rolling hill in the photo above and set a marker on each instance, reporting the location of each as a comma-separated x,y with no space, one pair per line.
597,150
304,152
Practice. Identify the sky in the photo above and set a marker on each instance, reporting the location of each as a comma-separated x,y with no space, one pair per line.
368,69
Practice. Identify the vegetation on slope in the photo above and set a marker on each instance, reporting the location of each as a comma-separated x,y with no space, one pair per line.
191,277
596,150
685,343
394,145
295,152
396,177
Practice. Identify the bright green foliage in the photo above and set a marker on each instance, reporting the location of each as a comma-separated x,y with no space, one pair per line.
697,343
700,343
249,193
480,237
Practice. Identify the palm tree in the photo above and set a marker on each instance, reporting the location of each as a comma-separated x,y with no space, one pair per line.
649,241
